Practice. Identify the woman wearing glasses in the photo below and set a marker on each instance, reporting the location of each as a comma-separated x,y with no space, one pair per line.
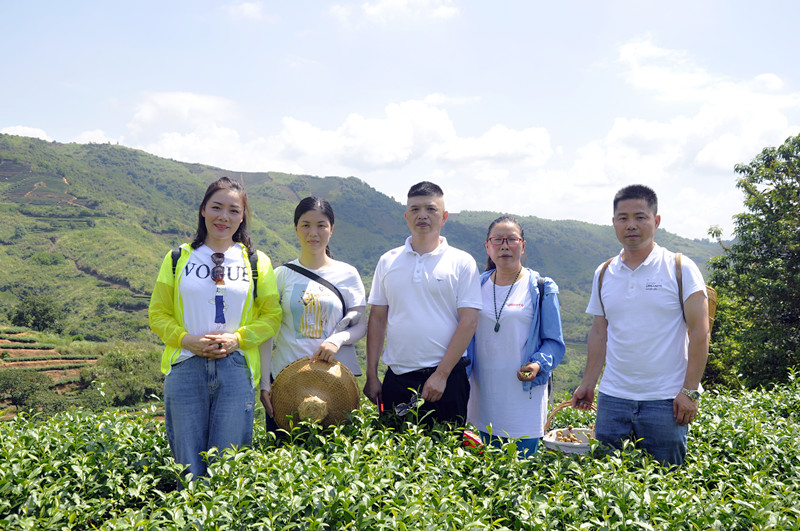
516,346
323,301
212,310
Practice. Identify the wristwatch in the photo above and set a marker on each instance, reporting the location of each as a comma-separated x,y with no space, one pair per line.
694,394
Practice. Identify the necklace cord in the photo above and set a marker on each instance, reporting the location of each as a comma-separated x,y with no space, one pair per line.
494,295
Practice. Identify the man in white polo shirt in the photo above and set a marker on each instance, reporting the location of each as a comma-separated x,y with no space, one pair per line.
650,388
425,300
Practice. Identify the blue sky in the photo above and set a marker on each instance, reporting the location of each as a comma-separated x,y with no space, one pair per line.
527,107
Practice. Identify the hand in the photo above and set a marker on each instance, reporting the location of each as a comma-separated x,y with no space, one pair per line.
434,387
373,390
267,401
685,409
219,345
326,351
583,397
204,346
528,372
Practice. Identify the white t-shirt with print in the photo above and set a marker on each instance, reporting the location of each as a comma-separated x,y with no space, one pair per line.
311,311
198,293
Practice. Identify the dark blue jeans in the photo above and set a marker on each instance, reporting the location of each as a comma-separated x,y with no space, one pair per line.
650,423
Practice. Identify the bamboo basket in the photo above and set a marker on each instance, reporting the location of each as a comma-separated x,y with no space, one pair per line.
584,435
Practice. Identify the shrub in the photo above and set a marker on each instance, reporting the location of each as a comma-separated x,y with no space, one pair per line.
79,470
38,310
19,385
128,374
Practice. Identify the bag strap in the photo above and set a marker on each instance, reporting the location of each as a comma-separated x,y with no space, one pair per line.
540,285
252,255
176,254
679,277
315,277
600,284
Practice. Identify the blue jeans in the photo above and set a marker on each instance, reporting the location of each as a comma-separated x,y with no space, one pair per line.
208,403
650,423
525,447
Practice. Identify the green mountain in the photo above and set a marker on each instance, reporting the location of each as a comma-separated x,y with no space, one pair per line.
91,224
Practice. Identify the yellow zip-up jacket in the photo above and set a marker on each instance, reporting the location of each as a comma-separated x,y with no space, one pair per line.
259,322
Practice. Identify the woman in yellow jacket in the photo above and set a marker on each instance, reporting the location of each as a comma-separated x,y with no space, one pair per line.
205,311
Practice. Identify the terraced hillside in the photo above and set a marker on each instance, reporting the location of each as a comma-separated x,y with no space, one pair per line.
20,348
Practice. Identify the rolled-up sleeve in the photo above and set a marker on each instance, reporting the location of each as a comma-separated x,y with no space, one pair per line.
552,348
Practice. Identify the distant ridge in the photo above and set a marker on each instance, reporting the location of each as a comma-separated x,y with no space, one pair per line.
91,222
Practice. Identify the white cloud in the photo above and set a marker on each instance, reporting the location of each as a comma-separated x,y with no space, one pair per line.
341,13
409,131
410,141
501,145
164,110
22,130
386,11
670,74
245,10
689,158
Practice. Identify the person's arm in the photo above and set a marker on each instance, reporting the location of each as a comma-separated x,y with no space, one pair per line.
268,311
356,329
551,351
265,353
161,311
437,382
696,311
583,397
376,335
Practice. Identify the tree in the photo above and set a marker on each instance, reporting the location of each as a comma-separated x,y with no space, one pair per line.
759,274
20,385
38,310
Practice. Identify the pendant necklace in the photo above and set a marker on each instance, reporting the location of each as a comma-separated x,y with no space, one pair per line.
218,276
494,294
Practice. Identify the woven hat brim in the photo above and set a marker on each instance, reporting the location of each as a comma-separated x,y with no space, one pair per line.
331,382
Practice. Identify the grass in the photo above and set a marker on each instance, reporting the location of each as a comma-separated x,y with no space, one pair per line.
81,470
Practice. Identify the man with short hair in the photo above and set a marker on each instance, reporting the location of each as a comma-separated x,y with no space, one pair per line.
425,300
650,388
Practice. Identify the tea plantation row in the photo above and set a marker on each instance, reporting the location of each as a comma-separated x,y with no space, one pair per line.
81,470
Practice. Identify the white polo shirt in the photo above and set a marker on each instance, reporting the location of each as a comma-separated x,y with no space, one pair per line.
647,346
423,293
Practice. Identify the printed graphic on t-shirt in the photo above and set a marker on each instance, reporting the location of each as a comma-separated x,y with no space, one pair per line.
198,277
203,271
311,309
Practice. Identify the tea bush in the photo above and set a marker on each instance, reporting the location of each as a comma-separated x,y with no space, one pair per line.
81,470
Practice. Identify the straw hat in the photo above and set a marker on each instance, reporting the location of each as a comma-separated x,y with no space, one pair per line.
315,390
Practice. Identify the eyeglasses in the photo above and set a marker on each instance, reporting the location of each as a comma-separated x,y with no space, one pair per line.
403,409
217,272
512,241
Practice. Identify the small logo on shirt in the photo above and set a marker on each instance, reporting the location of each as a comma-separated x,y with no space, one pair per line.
653,285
